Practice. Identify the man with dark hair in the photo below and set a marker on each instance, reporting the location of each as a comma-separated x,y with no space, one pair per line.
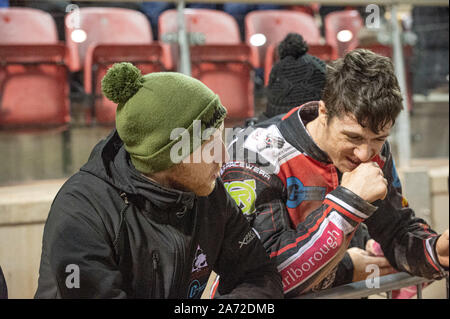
308,181
363,84
141,220
295,79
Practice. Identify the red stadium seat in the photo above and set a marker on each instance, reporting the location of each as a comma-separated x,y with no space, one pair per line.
219,58
33,75
275,25
207,26
112,35
348,21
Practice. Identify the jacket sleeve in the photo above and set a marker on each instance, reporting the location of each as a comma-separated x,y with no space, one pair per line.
244,268
408,242
307,254
77,255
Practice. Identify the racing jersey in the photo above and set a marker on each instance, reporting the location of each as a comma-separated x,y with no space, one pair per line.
290,191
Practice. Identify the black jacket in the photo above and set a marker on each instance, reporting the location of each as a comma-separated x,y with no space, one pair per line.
112,233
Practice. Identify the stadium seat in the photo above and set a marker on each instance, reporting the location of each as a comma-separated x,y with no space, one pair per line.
33,75
204,26
341,31
218,57
111,35
275,25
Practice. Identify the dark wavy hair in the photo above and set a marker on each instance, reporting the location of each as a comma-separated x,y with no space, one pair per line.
363,84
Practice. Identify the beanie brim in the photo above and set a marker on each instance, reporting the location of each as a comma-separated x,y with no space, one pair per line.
211,117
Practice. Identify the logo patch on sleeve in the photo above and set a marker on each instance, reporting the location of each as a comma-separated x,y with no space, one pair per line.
244,193
297,192
247,238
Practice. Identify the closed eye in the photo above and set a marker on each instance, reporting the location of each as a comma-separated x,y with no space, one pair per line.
354,137
382,138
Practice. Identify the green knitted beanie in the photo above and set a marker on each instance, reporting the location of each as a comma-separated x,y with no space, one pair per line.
152,107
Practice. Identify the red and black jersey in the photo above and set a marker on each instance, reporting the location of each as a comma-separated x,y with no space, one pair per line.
290,190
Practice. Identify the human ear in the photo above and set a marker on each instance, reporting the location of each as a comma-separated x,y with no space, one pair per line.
322,113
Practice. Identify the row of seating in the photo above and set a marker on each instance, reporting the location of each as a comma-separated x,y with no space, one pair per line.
34,66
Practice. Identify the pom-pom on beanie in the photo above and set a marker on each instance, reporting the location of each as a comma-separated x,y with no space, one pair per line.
151,108
296,79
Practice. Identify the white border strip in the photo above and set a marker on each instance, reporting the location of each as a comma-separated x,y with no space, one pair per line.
431,251
304,248
347,206
340,222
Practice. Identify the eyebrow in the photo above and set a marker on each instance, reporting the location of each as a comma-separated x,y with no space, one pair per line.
350,133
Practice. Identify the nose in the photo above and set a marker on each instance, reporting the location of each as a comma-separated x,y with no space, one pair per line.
221,155
364,152
225,155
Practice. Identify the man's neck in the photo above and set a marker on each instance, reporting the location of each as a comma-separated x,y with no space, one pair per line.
314,132
317,133
165,179
159,178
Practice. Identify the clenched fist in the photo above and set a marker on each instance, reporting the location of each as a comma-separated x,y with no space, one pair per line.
367,181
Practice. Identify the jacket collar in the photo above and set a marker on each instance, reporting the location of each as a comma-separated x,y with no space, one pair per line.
293,129
110,162
162,196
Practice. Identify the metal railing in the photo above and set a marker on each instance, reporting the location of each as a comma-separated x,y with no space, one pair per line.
386,285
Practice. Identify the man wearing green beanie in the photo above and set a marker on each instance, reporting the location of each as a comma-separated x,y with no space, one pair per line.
147,215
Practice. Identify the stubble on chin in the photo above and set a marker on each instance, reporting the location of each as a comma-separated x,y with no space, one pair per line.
183,179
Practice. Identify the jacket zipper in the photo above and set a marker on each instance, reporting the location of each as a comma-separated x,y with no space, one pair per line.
179,285
121,223
157,276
